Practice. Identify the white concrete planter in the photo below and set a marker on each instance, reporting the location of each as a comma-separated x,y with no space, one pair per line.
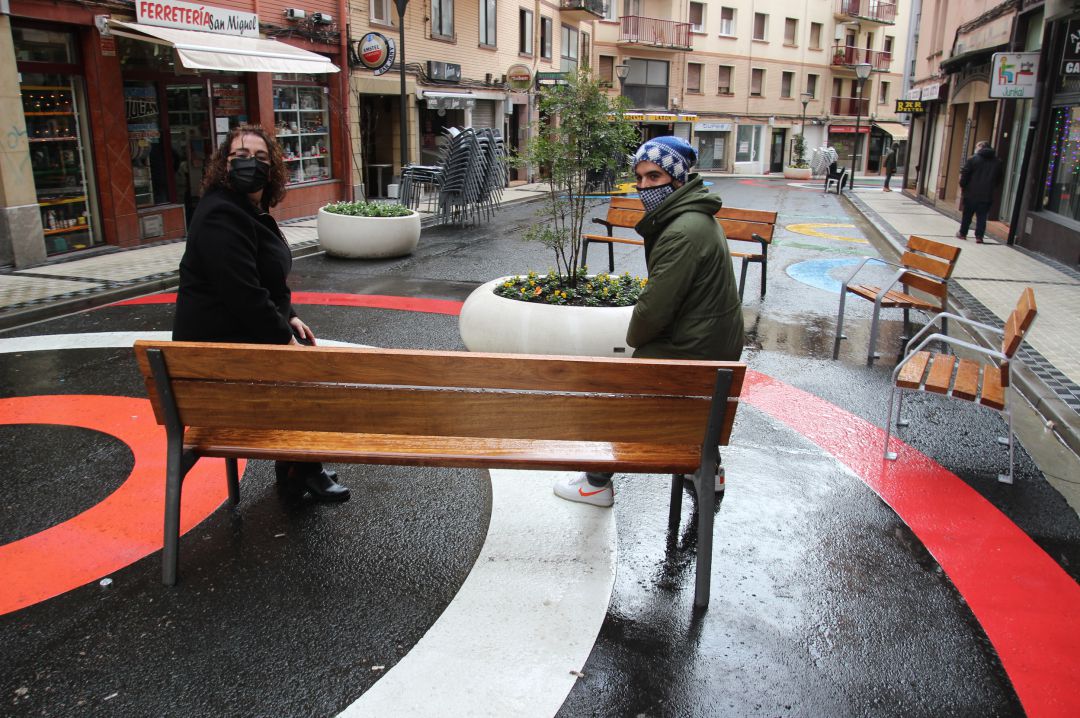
795,173
342,235
489,323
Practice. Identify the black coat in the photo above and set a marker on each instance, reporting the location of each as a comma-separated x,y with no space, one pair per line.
232,275
980,175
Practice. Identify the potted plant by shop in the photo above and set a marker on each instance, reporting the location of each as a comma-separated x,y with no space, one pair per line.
799,168
565,310
367,230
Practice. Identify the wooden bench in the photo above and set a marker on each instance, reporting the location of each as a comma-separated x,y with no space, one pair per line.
945,374
444,409
925,266
740,225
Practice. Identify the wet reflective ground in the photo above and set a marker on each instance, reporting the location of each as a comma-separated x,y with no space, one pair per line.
824,601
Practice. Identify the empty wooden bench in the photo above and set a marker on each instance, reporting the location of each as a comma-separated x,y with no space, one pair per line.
448,409
925,266
983,382
740,225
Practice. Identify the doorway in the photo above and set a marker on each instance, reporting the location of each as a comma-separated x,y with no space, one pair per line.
776,155
190,143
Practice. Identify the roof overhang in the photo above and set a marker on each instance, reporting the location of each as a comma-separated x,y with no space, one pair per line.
898,130
228,53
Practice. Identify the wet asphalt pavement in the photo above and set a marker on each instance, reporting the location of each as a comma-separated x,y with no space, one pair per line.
824,601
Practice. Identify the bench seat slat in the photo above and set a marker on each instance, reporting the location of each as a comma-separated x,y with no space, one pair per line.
893,299
445,451
966,385
940,375
993,393
432,411
911,375
616,240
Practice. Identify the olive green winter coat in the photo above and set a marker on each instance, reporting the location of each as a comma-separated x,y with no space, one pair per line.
690,307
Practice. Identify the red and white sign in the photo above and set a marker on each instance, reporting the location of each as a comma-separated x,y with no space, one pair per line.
189,16
848,129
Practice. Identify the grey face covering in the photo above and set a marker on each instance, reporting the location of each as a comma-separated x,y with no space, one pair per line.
653,197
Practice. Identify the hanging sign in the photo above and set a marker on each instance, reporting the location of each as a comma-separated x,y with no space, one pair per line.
376,52
1012,75
931,92
519,77
914,107
1070,57
189,16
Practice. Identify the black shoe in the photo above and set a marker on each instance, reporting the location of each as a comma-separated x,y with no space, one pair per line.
323,487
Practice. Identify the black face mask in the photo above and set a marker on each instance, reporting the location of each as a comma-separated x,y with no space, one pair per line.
248,175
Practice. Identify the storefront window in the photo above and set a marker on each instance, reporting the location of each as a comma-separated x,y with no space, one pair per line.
144,138
35,45
748,141
1062,191
302,125
230,107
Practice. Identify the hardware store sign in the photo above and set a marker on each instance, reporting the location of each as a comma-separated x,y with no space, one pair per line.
190,16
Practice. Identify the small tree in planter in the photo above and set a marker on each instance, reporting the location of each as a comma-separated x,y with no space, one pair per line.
584,136
799,167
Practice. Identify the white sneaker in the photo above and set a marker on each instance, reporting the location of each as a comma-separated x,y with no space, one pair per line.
578,488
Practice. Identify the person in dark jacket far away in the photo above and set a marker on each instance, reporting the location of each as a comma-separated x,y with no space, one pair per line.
690,307
890,167
978,178
233,272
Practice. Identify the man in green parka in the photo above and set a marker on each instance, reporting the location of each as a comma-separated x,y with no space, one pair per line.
690,307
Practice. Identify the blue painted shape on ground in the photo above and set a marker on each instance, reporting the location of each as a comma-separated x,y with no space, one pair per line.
817,273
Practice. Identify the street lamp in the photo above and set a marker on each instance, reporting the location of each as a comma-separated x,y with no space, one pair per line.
862,72
622,70
806,97
404,109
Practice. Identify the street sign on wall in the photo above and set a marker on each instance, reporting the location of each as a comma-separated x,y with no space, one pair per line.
1012,75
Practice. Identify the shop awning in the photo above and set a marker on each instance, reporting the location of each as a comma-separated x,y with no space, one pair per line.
229,53
447,100
898,131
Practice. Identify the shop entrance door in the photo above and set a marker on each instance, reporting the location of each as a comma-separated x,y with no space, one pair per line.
776,156
191,145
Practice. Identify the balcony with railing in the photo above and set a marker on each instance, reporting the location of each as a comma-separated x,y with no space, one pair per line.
849,56
581,10
654,32
877,11
849,106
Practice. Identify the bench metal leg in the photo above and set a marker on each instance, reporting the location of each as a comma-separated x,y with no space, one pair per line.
611,257
706,502
891,455
675,511
585,253
871,354
178,464
839,322
742,278
764,271
1008,478
232,475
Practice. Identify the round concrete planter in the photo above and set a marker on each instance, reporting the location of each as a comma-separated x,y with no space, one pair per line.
797,174
342,235
489,323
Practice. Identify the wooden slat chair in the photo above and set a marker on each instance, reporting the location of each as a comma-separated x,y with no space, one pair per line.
740,225
444,409
925,266
945,374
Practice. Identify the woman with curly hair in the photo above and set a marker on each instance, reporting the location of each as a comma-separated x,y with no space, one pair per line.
233,272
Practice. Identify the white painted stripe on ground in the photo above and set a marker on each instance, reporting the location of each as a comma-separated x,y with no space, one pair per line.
101,340
527,615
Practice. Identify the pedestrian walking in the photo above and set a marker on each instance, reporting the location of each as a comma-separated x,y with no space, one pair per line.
234,269
978,178
690,307
890,167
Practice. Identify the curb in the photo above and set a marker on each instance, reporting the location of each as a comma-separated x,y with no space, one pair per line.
1058,415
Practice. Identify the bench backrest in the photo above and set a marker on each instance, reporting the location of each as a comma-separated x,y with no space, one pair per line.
738,223
430,393
927,257
1016,326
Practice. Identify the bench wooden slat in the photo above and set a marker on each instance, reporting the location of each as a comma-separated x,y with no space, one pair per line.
928,285
445,451
966,385
616,239
413,367
930,265
1019,322
993,393
911,375
433,411
940,375
938,249
745,231
892,299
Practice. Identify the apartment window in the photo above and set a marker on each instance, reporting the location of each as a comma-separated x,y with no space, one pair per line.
727,21
586,49
883,95
815,36
487,22
525,31
757,81
791,31
610,11
545,37
442,18
697,16
693,77
760,22
606,70
380,11
786,81
723,83
631,7
568,49
647,83
811,85
888,45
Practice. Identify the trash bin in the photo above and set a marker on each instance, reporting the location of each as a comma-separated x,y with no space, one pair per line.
392,191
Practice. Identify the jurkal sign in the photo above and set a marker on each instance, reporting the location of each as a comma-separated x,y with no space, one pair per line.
1012,75
375,51
189,16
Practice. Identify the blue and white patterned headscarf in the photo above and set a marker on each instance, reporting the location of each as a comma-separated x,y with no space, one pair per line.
673,155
